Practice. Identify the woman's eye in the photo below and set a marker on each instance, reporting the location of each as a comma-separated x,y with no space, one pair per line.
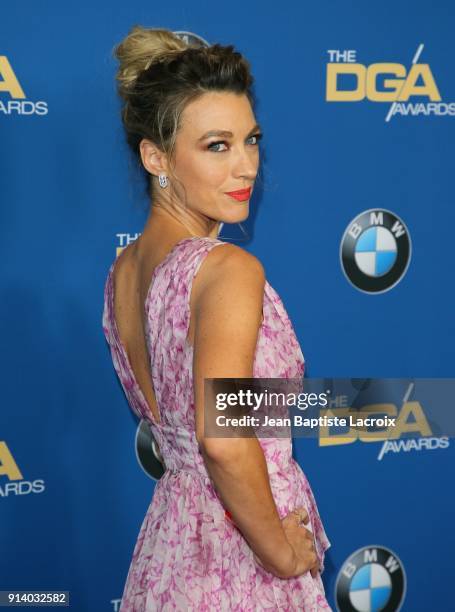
222,142
258,138
216,144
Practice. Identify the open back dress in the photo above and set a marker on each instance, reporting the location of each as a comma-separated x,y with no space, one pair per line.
189,556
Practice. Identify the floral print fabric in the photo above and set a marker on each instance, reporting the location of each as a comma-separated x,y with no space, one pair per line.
188,555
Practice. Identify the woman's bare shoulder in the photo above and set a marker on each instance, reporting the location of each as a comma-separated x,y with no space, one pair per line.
231,265
228,309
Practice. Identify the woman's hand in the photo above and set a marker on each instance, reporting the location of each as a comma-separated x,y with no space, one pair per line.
301,541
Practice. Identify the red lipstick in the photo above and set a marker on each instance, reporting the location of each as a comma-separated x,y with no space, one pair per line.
240,195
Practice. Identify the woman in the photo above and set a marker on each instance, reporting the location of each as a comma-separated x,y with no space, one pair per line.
233,524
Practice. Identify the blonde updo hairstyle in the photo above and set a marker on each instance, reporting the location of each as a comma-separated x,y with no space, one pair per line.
159,74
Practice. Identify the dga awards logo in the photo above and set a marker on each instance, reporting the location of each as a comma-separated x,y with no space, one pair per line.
410,425
123,240
372,579
375,250
386,82
13,99
12,481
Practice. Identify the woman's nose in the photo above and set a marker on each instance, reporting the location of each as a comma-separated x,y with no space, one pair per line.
246,166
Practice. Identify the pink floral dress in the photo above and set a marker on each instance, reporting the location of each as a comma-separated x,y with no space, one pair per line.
189,555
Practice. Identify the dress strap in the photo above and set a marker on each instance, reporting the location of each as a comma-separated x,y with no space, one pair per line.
190,260
168,309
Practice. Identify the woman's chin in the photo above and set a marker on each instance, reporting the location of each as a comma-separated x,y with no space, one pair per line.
237,214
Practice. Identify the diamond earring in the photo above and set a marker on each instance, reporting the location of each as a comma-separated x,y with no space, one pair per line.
163,180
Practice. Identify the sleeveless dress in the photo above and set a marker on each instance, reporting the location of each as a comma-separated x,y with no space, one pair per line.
189,555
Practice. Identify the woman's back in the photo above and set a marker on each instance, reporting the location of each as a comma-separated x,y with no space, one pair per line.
187,551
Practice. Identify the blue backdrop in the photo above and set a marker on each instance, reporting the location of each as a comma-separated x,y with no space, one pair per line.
74,484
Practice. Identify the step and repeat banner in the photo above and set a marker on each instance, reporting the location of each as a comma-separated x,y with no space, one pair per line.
353,220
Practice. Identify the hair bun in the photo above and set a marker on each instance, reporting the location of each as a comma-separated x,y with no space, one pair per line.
141,48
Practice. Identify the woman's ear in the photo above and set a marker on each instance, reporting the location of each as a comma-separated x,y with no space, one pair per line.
153,159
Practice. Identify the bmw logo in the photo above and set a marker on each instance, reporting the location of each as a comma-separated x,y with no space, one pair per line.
190,38
148,452
372,579
375,250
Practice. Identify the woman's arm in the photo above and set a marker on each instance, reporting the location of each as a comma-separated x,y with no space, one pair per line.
228,313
